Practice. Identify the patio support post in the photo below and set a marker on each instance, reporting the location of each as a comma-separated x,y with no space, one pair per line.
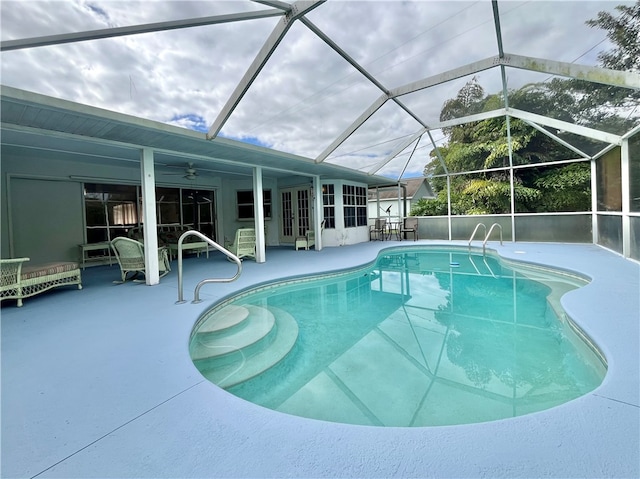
148,181
594,202
319,212
401,212
625,177
258,214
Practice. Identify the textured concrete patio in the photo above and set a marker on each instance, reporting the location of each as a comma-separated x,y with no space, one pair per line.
99,383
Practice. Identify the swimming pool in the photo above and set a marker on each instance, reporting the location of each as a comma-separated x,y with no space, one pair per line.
423,337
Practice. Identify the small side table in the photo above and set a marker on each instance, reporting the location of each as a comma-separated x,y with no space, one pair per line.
198,247
85,248
394,228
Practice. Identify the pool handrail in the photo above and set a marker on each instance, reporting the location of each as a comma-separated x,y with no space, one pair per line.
209,241
484,243
475,230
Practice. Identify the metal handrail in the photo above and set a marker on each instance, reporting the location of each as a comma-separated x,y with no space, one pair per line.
229,254
475,230
484,243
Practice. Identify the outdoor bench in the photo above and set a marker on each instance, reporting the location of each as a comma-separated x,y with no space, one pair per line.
18,281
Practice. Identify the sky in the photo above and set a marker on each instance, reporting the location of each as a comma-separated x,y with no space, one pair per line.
306,95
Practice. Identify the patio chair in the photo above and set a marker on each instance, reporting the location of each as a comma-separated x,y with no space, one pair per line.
130,256
410,226
244,245
378,228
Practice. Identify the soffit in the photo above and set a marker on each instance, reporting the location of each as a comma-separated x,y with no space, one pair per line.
35,121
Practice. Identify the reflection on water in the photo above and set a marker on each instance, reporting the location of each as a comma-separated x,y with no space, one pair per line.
426,337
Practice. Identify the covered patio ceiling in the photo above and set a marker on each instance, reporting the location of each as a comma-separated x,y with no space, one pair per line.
369,107
50,128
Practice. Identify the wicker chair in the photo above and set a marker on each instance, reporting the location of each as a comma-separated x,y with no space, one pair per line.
244,245
130,256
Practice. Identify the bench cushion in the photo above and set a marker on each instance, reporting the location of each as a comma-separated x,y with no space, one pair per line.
37,271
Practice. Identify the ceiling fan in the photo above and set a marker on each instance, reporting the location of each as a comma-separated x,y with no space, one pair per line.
189,173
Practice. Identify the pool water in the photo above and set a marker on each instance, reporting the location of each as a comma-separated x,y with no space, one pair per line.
424,337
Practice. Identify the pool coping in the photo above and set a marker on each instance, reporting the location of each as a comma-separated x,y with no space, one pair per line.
199,430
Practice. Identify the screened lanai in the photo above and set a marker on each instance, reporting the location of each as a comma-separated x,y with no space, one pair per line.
234,97
366,86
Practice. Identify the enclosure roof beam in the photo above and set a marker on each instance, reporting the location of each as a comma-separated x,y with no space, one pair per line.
631,132
48,40
563,125
593,74
496,23
398,150
485,115
403,90
625,79
352,128
556,138
444,77
334,46
445,124
297,10
275,4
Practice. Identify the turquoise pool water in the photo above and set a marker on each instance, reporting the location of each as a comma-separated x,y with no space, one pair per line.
424,337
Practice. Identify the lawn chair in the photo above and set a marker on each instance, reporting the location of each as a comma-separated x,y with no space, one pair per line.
378,228
130,256
410,226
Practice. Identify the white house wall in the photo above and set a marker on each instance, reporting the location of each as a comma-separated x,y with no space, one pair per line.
44,166
374,212
20,165
228,221
340,236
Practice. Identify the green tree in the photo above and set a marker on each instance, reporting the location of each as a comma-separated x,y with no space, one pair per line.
469,100
483,145
565,189
602,106
624,33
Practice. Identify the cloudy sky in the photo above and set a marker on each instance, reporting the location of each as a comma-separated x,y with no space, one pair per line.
307,94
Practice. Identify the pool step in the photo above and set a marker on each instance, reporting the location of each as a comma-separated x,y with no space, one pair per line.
229,356
220,339
224,319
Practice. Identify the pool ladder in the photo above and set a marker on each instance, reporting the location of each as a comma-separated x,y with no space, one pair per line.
487,235
229,254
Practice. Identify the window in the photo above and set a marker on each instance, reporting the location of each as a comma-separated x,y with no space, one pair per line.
109,210
245,204
354,199
112,210
328,201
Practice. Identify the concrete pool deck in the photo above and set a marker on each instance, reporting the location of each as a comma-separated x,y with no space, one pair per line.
99,383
